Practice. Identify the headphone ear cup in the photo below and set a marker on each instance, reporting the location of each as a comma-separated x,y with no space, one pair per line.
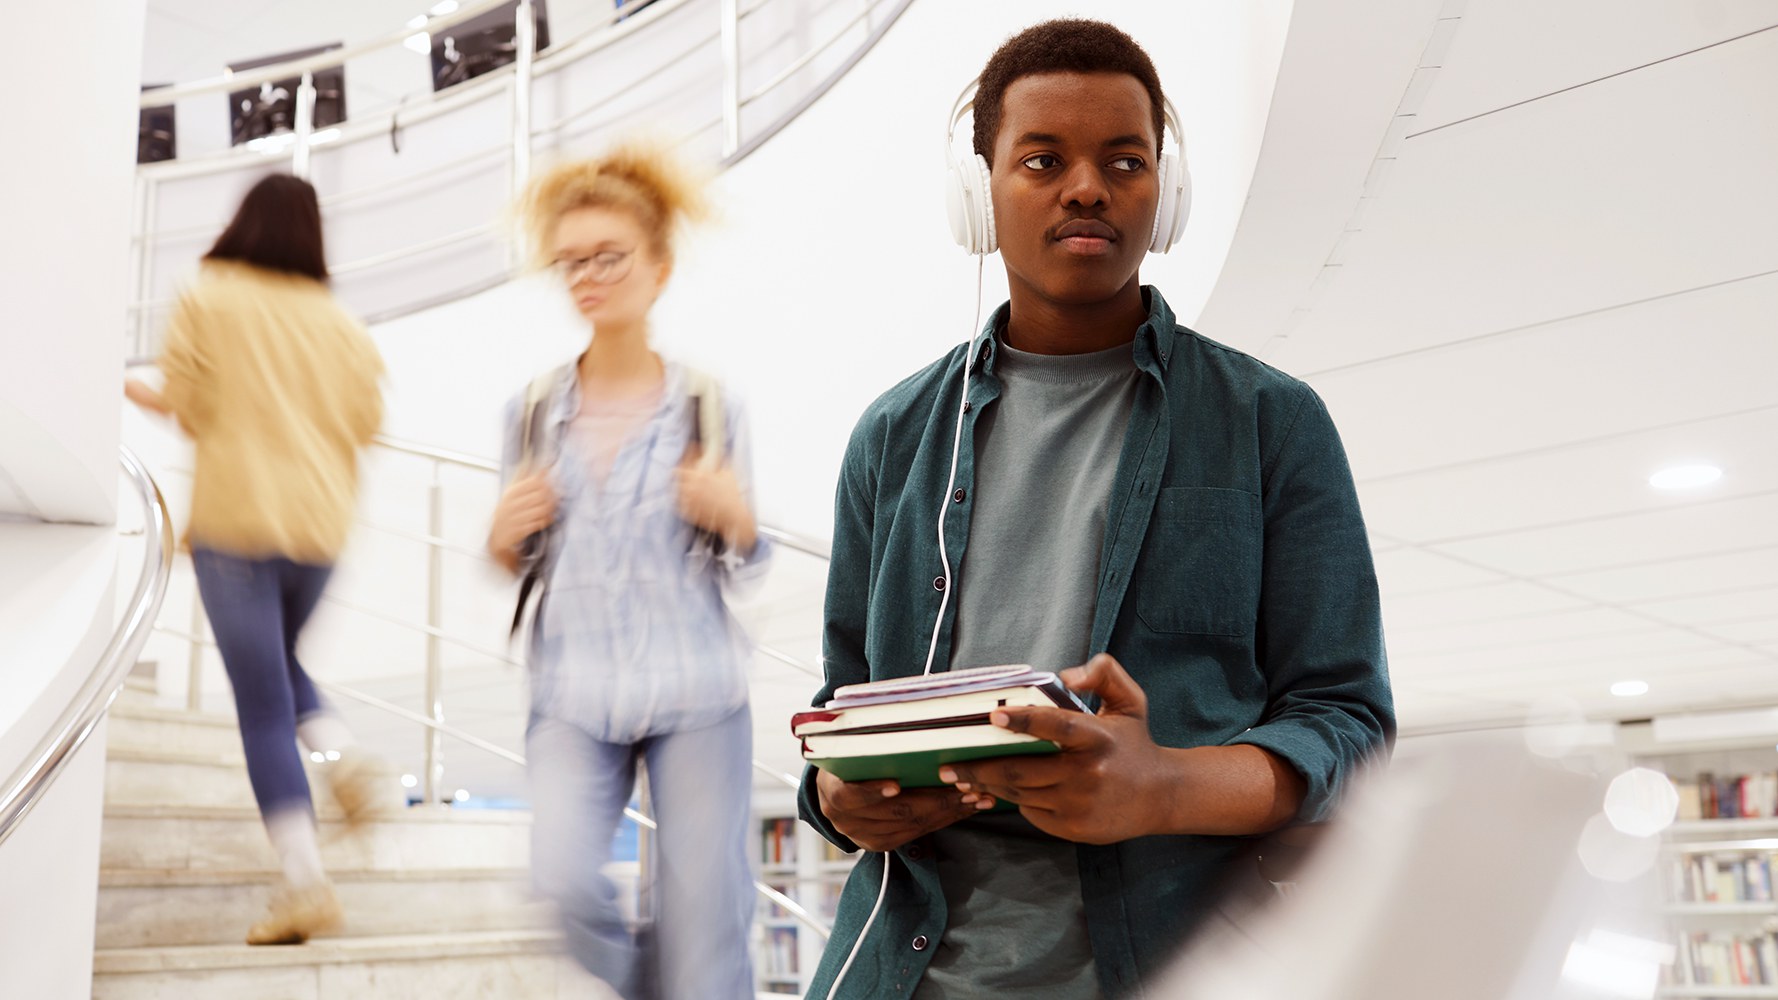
957,207
1174,207
989,233
969,206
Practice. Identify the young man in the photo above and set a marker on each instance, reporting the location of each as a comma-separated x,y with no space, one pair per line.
1171,513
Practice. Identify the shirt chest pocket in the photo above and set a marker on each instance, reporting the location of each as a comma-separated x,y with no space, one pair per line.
1201,563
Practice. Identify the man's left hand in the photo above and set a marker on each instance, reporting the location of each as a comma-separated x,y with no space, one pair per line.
1110,782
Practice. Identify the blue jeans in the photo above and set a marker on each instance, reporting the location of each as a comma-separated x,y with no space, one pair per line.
256,608
700,783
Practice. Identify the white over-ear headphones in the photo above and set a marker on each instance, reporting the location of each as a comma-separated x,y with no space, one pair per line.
970,203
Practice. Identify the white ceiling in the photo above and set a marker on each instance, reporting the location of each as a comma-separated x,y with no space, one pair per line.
1560,276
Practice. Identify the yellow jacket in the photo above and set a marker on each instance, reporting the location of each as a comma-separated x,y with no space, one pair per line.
278,387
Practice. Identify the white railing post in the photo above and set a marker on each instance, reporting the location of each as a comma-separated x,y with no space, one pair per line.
519,168
147,196
731,77
194,666
526,40
433,787
305,126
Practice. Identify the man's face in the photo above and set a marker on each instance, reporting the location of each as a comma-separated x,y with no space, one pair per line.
1074,184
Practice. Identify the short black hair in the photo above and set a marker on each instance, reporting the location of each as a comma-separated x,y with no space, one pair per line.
277,227
1065,45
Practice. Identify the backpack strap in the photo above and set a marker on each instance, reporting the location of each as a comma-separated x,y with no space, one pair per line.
710,420
534,551
709,431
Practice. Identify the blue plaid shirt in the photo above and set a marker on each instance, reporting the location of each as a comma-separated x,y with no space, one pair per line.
633,636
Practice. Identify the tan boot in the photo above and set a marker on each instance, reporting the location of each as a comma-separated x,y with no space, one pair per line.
362,785
297,914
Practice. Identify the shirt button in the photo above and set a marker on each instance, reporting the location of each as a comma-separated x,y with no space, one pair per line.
916,852
967,406
920,943
958,496
938,583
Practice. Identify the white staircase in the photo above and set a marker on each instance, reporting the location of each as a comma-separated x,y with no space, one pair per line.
437,901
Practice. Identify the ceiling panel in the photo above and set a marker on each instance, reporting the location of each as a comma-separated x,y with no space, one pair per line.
1763,629
1729,605
1507,51
1419,708
1714,526
1561,207
1595,676
1489,602
1556,486
1690,357
1677,578
1529,639
1405,571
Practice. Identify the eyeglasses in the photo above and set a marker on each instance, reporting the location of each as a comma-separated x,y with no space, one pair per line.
607,267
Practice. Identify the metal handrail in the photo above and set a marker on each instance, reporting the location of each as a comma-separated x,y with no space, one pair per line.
28,784
788,539
784,902
231,80
516,80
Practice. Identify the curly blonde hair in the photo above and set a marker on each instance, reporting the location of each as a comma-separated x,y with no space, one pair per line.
641,178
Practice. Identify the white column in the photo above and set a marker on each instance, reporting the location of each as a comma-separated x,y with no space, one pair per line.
66,174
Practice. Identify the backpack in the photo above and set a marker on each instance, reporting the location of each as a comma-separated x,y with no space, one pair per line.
709,433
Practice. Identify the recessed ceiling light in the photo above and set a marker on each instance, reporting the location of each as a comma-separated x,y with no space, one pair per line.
1685,477
462,795
419,41
1629,689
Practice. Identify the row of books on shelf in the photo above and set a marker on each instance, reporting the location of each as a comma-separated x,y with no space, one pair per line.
1712,959
778,841
1722,878
779,955
1739,796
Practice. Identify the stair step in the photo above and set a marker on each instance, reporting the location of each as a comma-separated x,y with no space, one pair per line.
222,838
497,965
148,776
184,907
151,726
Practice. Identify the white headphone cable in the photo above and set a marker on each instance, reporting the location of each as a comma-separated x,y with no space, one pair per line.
943,602
951,483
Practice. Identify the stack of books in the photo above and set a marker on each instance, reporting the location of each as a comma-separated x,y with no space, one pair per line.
907,727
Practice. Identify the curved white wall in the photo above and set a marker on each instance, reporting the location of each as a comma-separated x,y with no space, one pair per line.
62,271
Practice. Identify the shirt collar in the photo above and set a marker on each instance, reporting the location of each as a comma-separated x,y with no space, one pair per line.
564,398
1153,345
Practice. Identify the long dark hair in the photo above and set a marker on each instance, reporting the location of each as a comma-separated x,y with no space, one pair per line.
277,227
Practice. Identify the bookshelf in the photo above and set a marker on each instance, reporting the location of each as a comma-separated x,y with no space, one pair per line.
1717,872
796,861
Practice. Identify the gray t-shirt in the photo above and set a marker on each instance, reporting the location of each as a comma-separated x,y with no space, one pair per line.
1046,452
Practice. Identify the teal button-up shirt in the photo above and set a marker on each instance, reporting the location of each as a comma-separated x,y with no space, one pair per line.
1236,587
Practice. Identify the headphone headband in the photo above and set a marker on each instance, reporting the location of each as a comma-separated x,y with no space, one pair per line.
965,104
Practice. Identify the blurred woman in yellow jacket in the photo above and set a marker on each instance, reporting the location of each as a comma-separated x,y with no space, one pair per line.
277,385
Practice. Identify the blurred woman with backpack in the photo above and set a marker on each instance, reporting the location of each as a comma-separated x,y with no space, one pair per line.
628,512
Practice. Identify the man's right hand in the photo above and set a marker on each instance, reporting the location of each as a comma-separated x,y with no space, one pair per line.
528,506
881,815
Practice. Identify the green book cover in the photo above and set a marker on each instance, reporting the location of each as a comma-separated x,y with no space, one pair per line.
919,769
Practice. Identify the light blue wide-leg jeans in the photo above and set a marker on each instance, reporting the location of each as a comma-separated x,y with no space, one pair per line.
700,784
